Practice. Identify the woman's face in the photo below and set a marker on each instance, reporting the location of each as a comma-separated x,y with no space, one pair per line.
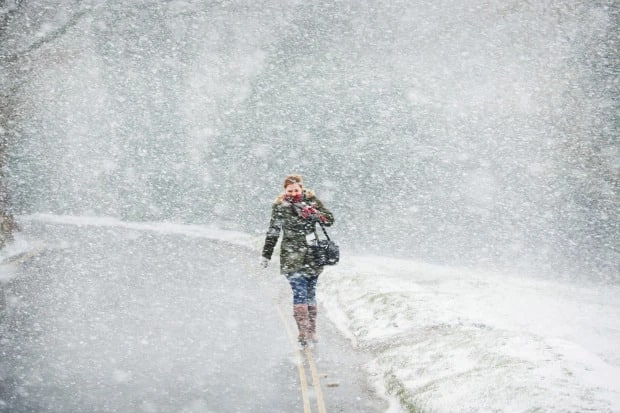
293,190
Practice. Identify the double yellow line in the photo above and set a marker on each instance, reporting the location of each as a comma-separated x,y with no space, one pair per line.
299,354
316,383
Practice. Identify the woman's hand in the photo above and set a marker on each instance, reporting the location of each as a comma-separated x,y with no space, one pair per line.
311,213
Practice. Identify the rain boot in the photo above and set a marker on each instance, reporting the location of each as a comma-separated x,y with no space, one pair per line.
312,313
300,312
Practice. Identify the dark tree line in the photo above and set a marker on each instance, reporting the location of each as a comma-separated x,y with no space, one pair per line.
13,68
7,221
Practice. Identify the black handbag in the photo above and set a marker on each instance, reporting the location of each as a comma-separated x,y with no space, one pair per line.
323,251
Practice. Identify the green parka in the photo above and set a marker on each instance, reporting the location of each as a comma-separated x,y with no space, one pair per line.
294,247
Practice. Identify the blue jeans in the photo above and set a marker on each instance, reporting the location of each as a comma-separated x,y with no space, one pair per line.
304,288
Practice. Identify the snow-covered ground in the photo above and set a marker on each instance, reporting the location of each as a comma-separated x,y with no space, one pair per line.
456,340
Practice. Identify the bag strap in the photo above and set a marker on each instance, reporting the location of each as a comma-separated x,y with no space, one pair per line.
324,231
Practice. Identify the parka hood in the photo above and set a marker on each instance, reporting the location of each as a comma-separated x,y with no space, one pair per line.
308,194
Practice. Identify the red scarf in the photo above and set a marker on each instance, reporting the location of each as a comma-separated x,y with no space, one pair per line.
294,199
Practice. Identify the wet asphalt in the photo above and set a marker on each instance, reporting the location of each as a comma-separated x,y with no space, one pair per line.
107,319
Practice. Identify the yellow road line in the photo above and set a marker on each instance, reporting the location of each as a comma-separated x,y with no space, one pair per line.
316,381
300,363
304,383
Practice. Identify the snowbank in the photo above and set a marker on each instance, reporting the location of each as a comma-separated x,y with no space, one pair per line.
13,252
448,340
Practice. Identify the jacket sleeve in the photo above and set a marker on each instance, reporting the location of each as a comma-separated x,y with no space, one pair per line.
273,233
326,213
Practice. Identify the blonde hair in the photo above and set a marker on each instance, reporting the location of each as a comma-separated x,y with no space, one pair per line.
293,179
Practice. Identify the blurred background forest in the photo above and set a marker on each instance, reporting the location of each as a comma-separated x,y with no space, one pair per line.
479,133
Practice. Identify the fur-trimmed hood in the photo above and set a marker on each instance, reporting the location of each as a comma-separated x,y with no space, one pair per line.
308,194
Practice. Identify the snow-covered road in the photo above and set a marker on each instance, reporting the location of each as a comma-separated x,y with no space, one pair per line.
114,318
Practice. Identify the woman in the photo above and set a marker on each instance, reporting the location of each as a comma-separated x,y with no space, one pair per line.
295,213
